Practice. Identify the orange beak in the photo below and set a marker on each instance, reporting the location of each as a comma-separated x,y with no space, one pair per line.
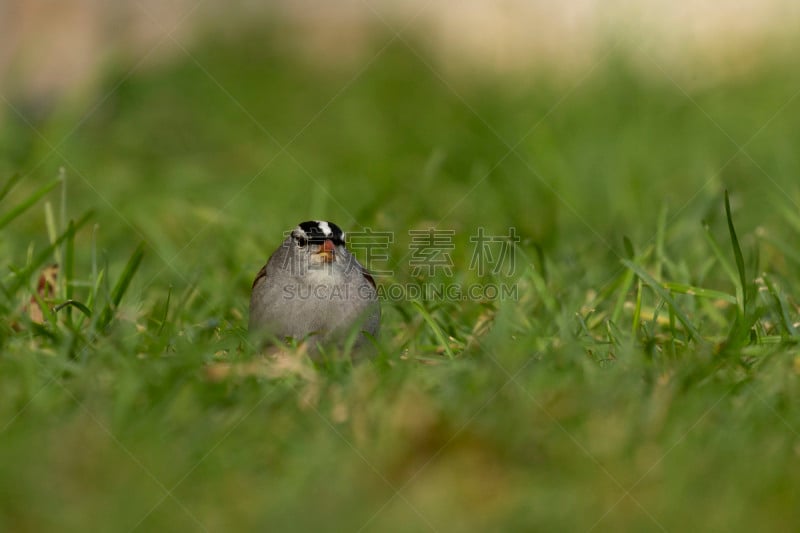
327,250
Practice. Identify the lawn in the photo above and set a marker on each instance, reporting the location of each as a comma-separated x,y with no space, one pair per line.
641,374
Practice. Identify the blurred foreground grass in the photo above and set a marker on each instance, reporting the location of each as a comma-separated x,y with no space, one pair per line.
597,400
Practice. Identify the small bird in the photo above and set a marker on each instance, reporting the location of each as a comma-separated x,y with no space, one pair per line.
312,288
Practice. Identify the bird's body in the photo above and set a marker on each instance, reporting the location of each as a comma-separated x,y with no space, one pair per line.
312,288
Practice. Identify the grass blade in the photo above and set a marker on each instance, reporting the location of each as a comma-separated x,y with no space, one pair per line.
122,285
782,305
665,295
69,264
24,275
166,311
52,230
26,204
661,231
437,331
76,304
720,255
691,290
637,310
627,282
13,180
737,253
628,245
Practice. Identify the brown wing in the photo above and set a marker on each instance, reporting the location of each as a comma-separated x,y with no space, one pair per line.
261,274
368,277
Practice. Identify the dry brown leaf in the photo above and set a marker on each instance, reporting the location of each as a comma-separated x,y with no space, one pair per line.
46,290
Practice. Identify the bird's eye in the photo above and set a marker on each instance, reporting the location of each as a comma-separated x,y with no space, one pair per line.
301,241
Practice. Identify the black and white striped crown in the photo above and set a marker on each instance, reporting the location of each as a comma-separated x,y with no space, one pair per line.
316,231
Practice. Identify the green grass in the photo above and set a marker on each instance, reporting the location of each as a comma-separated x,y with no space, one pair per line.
646,378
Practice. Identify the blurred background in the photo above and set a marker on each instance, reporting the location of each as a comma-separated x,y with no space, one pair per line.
50,49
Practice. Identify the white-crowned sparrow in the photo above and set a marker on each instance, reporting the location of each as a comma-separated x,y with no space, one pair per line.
312,288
